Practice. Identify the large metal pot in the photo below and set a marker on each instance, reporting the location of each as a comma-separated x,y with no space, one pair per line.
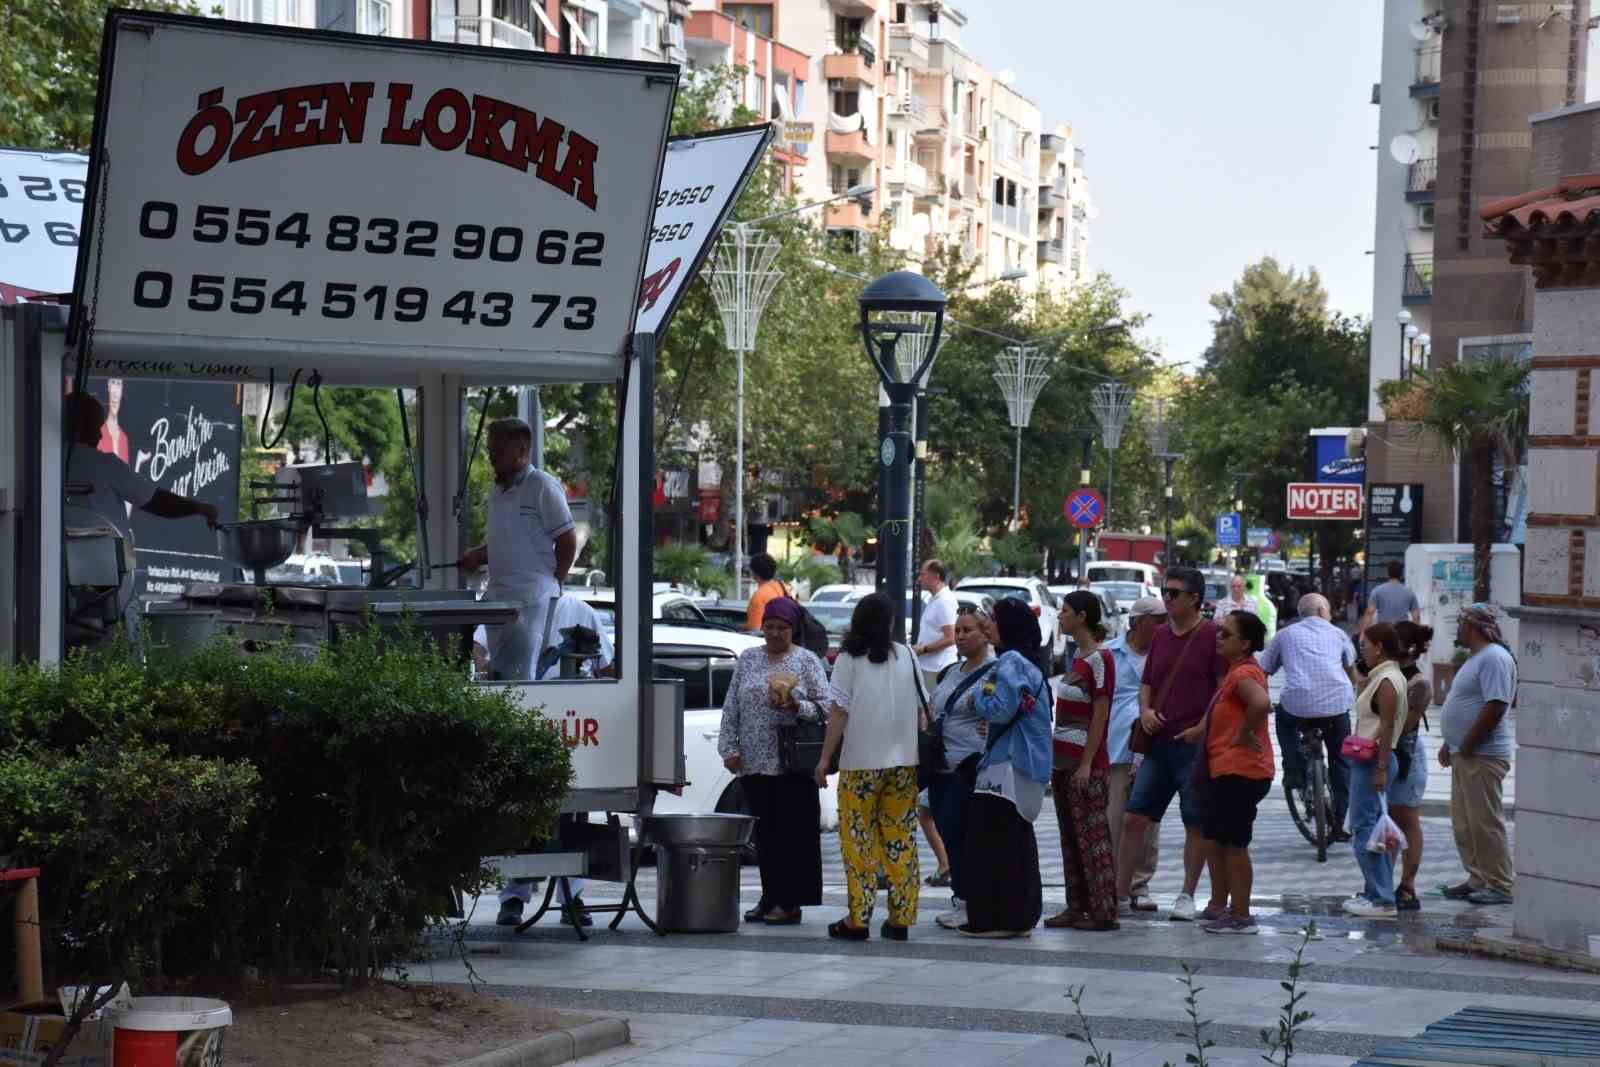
261,543
728,831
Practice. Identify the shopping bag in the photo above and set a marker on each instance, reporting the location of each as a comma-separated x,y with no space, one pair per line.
1386,835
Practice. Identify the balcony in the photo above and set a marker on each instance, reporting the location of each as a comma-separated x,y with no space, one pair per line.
847,139
848,215
908,107
1421,179
935,121
1053,250
909,175
908,48
945,56
850,66
1426,80
1417,287
1053,196
1052,144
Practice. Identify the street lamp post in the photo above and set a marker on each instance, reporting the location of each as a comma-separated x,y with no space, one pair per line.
1403,318
1111,402
899,305
1087,437
1161,445
1021,374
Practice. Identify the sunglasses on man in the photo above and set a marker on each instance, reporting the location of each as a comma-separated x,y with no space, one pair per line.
1172,594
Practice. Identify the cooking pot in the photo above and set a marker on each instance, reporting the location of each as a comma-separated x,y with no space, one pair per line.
260,543
718,829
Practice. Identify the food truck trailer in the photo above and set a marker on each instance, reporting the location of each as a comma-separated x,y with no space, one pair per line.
268,206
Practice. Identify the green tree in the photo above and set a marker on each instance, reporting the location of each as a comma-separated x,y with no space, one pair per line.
50,67
1480,409
846,531
1264,286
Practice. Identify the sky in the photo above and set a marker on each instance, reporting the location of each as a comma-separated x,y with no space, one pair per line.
1215,132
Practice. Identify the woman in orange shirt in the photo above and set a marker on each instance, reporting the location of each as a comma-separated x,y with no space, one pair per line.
1239,754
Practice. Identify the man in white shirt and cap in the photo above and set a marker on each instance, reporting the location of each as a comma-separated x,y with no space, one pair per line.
114,485
531,544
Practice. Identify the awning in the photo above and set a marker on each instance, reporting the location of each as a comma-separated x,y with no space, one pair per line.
780,100
577,27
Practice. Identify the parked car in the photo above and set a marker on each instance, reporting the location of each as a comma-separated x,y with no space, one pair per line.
669,606
835,618
729,613
1031,591
704,660
1123,570
838,594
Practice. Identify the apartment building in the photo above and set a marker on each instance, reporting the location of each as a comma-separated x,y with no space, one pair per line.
1064,213
775,82
1014,133
1460,80
382,18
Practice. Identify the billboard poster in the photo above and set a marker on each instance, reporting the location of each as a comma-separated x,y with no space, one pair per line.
41,203
1394,523
185,437
1328,459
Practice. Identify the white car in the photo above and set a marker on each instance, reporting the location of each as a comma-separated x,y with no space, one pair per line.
839,594
1031,591
704,659
1123,570
666,606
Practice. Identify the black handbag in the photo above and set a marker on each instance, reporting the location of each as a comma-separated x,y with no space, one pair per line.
800,747
932,757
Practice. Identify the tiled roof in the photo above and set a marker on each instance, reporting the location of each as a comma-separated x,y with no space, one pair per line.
1554,230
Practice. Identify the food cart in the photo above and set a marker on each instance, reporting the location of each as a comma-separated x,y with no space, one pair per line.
266,203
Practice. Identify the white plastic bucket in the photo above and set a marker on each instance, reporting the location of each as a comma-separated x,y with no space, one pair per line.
168,1031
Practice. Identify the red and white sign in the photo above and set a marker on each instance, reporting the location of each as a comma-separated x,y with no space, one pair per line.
1325,500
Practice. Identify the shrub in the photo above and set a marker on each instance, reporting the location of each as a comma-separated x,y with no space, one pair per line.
346,796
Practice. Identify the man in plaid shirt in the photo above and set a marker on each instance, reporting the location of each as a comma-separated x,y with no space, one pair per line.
1318,662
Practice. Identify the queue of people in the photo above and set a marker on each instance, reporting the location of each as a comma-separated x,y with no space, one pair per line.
1177,708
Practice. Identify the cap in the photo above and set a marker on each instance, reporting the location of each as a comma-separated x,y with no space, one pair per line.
1147,605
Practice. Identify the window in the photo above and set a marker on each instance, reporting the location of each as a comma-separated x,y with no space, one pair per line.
251,10
847,33
523,28
846,102
579,31
373,17
843,179
900,13
763,105
756,17
651,25
291,12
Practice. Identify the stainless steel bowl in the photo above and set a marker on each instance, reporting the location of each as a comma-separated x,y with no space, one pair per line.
261,543
732,830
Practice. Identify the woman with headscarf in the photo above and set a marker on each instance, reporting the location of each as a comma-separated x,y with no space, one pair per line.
774,685
1004,895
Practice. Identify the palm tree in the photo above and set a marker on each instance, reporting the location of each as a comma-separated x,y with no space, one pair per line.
845,530
1481,410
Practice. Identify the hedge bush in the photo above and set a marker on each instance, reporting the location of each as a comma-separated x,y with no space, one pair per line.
299,815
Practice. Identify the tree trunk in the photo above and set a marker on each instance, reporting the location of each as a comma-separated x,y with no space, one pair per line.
1481,456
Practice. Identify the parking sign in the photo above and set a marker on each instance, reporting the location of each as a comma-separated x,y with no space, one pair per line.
1228,524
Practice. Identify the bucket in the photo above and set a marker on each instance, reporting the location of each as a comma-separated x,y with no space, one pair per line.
169,1032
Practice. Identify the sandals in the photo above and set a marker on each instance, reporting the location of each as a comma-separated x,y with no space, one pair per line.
1065,919
843,931
782,917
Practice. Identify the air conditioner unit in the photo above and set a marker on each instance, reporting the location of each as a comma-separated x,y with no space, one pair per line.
1507,14
1425,216
1432,110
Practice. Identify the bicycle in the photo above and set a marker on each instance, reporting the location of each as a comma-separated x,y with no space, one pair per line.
1309,803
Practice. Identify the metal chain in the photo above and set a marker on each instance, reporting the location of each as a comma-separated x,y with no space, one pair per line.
86,346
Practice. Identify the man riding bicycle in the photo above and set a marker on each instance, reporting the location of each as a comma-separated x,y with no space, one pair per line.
1318,662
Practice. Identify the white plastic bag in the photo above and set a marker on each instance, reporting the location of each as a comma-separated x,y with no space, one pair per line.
1386,835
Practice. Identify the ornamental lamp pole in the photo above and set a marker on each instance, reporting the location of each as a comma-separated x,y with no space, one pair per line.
1403,319
900,306
1084,474
1021,374
1111,403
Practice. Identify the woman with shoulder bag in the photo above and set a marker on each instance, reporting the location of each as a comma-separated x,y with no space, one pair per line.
877,700
1411,783
1001,877
1380,716
774,686
953,708
1080,783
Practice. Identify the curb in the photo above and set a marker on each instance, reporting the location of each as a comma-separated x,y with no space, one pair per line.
561,1046
1520,951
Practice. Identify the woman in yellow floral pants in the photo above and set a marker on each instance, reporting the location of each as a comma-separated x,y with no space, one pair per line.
877,832
877,697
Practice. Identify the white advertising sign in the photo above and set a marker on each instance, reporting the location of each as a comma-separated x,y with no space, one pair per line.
701,180
599,721
282,198
41,205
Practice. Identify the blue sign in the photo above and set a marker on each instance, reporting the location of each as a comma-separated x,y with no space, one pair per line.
1084,507
1330,462
1258,536
1228,526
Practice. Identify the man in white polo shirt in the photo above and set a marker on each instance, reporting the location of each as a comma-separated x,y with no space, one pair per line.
530,547
936,635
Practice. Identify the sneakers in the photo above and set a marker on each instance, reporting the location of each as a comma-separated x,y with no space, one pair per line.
953,919
1142,902
510,913
1458,892
1488,897
1362,908
1231,924
1182,909
1213,912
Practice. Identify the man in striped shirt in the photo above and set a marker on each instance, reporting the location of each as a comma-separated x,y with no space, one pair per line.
1318,662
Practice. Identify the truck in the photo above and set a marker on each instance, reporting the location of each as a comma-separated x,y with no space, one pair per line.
1135,547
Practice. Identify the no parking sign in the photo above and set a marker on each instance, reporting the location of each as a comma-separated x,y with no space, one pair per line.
1084,507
